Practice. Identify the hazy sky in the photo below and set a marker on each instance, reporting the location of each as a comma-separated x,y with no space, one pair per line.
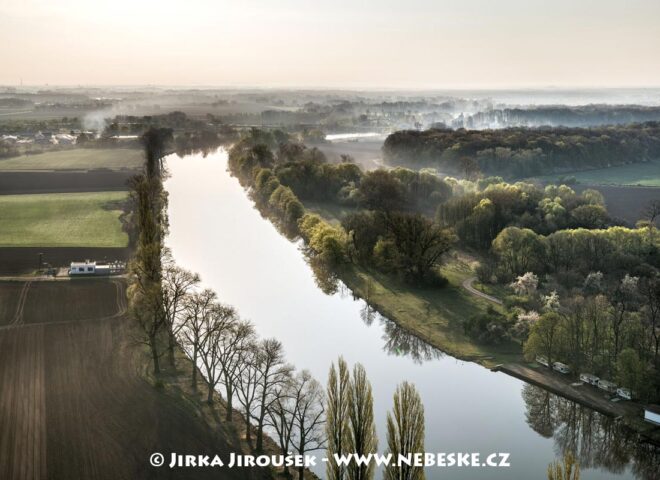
334,43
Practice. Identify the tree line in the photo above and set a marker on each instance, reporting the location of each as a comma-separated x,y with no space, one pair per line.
274,399
385,233
522,152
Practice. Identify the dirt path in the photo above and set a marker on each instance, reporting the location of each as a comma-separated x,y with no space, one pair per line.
467,284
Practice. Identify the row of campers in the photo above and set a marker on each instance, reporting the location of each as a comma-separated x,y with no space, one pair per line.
606,385
589,379
92,268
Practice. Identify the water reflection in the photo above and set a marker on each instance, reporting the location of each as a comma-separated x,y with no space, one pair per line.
400,342
596,440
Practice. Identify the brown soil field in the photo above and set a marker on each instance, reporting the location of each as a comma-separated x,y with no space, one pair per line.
74,403
63,181
10,294
625,203
21,260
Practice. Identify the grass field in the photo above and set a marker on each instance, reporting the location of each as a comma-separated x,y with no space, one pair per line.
640,174
62,220
434,314
76,159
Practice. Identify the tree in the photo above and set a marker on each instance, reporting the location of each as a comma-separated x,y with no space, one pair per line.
405,432
247,383
631,372
651,214
469,168
273,373
650,291
420,244
624,298
177,283
197,308
362,439
518,249
543,337
237,339
156,141
568,470
215,326
381,191
308,417
281,416
145,292
526,284
337,420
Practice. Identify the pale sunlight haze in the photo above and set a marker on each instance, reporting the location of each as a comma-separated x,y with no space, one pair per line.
338,43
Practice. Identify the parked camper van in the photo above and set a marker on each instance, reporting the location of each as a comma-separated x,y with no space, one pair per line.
542,360
624,393
607,385
561,367
589,379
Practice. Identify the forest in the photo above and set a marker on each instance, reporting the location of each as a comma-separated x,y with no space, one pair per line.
524,152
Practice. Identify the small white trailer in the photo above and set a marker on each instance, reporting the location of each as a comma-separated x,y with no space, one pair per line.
561,367
542,360
624,393
607,385
589,379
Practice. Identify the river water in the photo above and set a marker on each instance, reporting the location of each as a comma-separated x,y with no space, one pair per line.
216,231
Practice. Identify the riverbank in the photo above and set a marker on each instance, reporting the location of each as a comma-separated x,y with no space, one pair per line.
631,413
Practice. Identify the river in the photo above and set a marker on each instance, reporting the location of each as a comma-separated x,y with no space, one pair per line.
216,231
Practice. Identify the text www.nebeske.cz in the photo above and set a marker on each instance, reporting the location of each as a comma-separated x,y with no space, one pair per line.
414,459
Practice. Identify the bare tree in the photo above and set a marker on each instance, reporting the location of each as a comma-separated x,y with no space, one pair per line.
197,308
234,344
273,374
247,385
146,307
177,283
220,319
281,417
308,417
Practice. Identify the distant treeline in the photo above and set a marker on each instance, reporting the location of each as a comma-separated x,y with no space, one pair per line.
556,115
521,152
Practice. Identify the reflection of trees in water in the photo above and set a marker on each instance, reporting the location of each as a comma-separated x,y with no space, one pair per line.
324,277
596,440
400,342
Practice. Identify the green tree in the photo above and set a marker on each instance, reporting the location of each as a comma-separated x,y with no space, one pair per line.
337,425
362,438
405,432
519,250
543,337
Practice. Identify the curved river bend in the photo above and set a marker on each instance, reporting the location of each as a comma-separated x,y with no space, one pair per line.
216,231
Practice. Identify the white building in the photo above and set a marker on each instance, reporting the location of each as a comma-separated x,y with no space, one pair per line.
92,268
83,268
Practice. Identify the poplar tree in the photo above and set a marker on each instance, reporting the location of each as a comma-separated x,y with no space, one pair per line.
405,433
337,418
362,438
